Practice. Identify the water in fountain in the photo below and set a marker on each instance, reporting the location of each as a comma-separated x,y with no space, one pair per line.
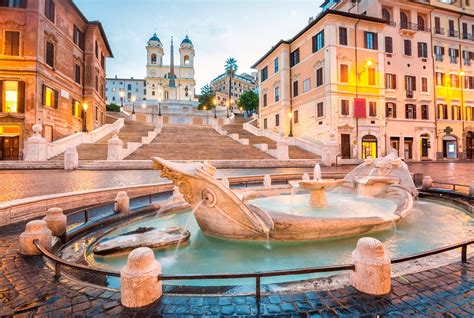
186,225
268,246
317,172
306,177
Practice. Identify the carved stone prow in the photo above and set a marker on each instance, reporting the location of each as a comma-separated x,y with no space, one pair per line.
219,212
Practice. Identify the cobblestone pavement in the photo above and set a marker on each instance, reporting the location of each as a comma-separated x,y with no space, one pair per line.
26,183
27,289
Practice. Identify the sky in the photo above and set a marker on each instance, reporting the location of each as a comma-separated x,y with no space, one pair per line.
242,29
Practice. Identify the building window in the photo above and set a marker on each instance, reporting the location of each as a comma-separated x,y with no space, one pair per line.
453,56
344,107
420,20
407,47
440,81
277,120
424,84
78,37
276,65
320,109
76,108
49,9
277,94
319,77
96,49
264,74
422,50
410,86
451,31
12,43
306,85
12,93
129,87
410,111
390,81
469,113
13,3
388,44
50,97
77,76
372,109
102,61
442,111
344,73
425,115
386,15
294,57
318,41
265,123
295,117
343,36
439,53
454,80
469,82
437,23
371,79
370,40
456,112
265,100
50,53
467,57
295,88
404,24
390,110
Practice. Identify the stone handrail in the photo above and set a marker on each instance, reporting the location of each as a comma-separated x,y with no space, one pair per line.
59,146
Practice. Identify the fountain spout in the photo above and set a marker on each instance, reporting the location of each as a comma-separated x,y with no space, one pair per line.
317,172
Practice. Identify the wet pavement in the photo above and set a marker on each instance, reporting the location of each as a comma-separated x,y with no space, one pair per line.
28,288
26,183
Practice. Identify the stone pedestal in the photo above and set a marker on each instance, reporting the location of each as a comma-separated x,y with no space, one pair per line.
427,183
372,267
318,198
471,190
139,285
71,158
267,181
35,230
36,147
115,148
56,221
122,203
282,150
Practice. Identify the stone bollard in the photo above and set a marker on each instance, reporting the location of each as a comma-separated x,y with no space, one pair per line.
471,190
35,230
122,203
282,150
115,148
372,267
56,221
139,285
427,183
71,158
306,177
225,182
267,181
36,147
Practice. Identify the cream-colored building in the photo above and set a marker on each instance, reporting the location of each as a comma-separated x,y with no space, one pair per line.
419,58
240,84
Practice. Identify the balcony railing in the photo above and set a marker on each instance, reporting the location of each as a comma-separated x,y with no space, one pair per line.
453,33
439,31
453,60
410,94
408,26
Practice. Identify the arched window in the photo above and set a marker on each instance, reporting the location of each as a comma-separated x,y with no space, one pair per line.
421,23
153,58
186,60
386,15
403,20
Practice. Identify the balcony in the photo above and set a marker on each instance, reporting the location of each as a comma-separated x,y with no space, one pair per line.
453,33
439,58
453,60
410,94
408,26
467,36
439,31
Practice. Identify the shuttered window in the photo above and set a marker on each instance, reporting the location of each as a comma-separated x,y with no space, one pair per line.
12,96
12,43
50,97
422,50
50,53
50,9
343,36
407,47
388,44
77,75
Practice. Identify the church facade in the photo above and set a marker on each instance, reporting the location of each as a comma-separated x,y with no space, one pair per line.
170,82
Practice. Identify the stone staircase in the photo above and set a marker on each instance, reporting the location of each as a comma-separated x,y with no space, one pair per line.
237,128
132,131
186,142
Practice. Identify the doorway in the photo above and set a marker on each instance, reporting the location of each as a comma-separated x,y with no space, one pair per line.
450,147
369,146
408,148
424,145
346,146
470,145
395,143
10,148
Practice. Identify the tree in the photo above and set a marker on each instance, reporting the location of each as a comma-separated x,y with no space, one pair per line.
230,68
206,98
249,102
112,107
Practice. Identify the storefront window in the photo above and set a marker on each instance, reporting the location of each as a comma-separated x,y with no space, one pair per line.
11,97
76,108
369,147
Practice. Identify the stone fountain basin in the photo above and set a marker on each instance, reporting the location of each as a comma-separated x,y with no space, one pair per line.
319,184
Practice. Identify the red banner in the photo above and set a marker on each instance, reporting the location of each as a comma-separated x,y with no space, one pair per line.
360,108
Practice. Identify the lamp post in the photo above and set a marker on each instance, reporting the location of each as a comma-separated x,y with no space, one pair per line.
134,98
159,106
290,115
228,106
214,101
205,110
122,95
84,108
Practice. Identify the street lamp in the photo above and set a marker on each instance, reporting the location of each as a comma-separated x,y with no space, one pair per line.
84,108
205,109
228,106
122,95
134,98
290,115
214,101
159,106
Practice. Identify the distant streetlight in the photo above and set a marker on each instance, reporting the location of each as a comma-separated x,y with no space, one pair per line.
159,106
84,108
290,116
134,98
215,107
122,95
